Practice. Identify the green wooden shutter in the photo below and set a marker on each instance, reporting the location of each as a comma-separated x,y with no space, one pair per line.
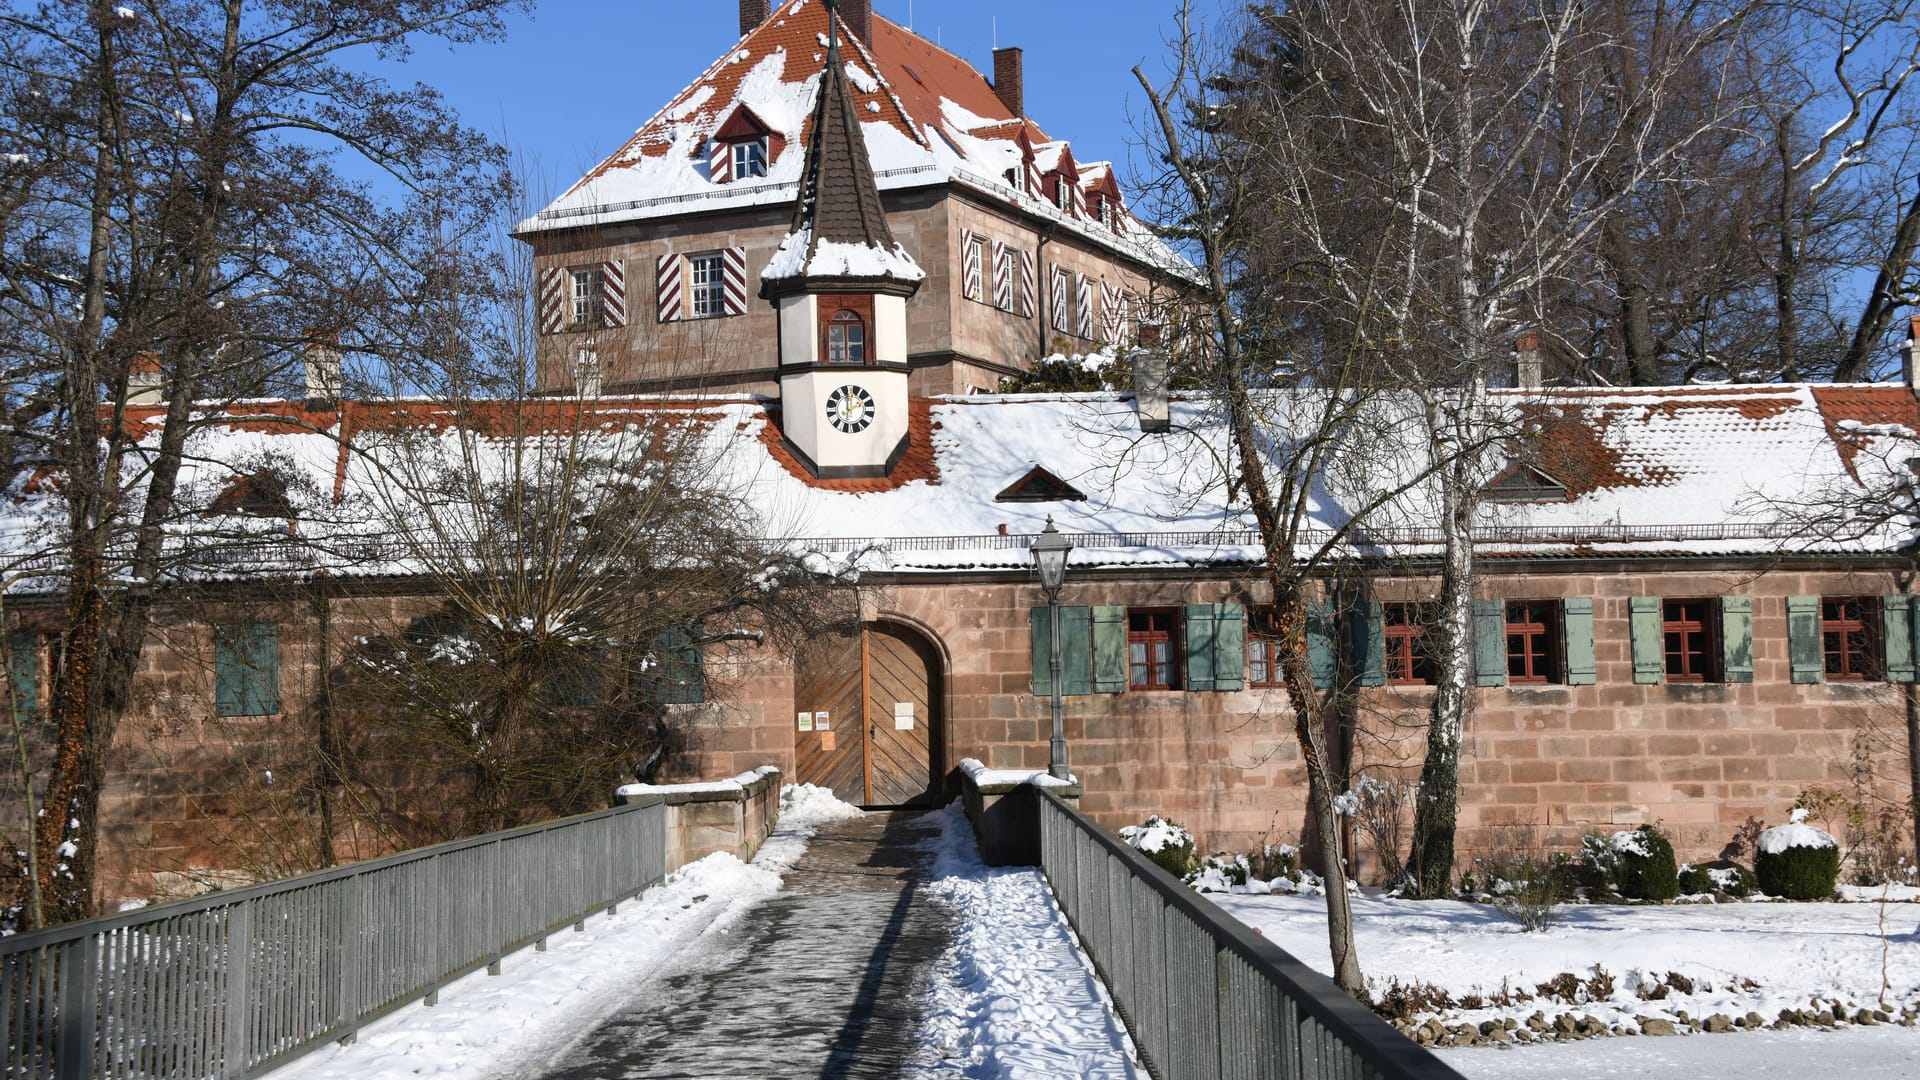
1649,640
1576,630
1041,626
227,674
1109,649
246,669
1320,654
1229,647
1369,642
23,672
1490,643
1803,639
1199,641
1896,626
1736,639
682,667
263,665
1076,651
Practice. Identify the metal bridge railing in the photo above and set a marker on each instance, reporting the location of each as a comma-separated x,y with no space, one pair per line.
1203,996
233,983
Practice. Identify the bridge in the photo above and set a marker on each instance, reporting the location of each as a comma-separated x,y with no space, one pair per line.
826,976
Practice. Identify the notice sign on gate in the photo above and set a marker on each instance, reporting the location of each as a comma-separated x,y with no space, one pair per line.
903,716
805,720
821,722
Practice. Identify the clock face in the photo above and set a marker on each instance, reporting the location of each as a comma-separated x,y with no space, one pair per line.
850,409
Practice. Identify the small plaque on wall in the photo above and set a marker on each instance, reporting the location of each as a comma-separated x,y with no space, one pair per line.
826,741
903,716
805,721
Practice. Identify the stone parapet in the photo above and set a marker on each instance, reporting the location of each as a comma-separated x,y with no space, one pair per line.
1004,807
734,816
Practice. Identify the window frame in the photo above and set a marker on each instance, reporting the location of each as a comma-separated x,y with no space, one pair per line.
587,296
750,153
1263,637
1867,627
983,251
830,308
1171,637
1707,628
1542,626
1405,622
706,299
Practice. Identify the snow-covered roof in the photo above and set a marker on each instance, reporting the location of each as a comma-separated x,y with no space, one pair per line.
1734,471
928,118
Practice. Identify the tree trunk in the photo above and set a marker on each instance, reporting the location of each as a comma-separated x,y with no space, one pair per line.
1883,300
1437,808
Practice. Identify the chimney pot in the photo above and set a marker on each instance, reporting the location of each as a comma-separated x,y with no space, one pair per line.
752,14
858,16
1009,79
1528,371
323,368
145,382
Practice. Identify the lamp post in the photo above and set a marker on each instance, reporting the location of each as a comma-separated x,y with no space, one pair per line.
1050,558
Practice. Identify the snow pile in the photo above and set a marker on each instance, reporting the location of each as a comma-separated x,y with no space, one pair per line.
731,784
1796,835
805,806
1013,996
983,776
1158,834
1630,842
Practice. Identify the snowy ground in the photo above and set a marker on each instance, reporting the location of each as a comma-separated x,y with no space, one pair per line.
1875,1053
1013,997
492,1025
1622,965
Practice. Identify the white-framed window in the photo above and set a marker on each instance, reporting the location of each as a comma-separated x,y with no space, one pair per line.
586,372
749,159
1063,193
706,278
980,286
589,297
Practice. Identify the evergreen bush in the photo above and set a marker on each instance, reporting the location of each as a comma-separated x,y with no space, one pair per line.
1166,843
1798,862
1695,880
1643,865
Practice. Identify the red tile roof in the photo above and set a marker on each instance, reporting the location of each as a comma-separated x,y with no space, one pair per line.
918,463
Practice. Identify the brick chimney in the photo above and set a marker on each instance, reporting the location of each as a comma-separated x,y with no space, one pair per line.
1527,367
322,363
1910,357
858,15
1009,80
752,14
146,384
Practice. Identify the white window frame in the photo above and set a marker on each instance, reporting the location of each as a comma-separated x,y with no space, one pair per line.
983,249
706,285
1063,194
749,159
587,295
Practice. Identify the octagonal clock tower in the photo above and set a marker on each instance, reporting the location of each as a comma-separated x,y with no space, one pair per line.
840,283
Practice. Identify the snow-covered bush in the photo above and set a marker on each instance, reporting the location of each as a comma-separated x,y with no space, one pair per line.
1643,866
1695,880
1725,877
1797,861
1592,868
1164,842
1220,873
1523,885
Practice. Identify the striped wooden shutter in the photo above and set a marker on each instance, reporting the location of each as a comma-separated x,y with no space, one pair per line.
670,300
1803,639
1200,638
733,273
613,291
1736,639
1112,312
1002,276
1057,297
970,266
1036,183
1489,643
1229,647
720,162
1649,641
1026,285
1320,655
1083,296
1576,631
1078,197
23,672
1109,649
552,316
1896,623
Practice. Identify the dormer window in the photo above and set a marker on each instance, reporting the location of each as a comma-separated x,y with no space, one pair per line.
844,321
749,159
1522,483
1063,194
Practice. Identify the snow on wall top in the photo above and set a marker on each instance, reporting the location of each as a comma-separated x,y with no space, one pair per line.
927,115
1670,471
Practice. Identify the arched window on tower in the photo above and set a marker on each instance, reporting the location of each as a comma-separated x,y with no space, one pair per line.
846,338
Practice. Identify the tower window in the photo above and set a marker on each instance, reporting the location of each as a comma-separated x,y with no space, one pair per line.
846,338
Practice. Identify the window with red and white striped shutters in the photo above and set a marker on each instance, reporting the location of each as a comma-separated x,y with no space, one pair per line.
1003,273
1060,301
971,256
701,285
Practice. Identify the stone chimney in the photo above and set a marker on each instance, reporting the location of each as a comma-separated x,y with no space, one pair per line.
145,382
1149,362
1009,79
323,369
752,14
1528,371
1910,357
858,15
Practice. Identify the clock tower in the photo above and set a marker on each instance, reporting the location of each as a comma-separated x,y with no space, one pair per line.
840,283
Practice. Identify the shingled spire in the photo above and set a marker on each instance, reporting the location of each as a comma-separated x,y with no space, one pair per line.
839,227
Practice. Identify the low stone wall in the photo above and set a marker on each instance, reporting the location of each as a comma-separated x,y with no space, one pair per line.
1004,807
734,816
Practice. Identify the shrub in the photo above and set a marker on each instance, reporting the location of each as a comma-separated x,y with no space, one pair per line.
1695,880
1643,866
1219,873
1797,861
1733,879
1525,886
1164,842
1593,868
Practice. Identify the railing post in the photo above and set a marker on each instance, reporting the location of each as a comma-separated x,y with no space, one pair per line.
238,1008
351,946
79,965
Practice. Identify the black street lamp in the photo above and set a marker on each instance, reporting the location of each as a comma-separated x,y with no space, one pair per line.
1050,558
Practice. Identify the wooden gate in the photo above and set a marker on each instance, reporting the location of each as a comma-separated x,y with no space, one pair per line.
879,690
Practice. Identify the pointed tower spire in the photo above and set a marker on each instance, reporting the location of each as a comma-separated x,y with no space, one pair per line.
839,227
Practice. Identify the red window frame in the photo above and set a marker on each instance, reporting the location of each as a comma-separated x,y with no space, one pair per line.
1263,649
1690,639
1153,649
1849,641
1404,625
847,312
1533,641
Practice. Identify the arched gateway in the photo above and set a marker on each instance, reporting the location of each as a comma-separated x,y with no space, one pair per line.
867,701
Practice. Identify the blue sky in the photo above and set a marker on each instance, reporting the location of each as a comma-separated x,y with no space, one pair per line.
569,85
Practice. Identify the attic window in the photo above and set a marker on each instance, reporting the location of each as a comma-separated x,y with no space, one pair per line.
262,494
1039,485
1523,484
749,159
